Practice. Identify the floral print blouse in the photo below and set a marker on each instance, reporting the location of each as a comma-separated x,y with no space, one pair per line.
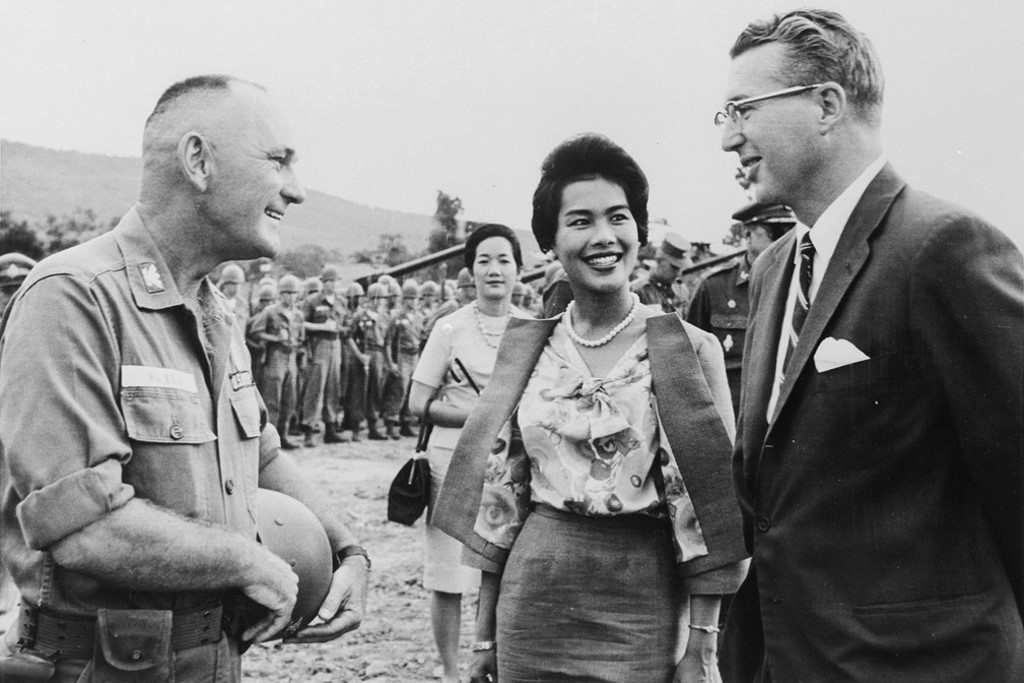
589,445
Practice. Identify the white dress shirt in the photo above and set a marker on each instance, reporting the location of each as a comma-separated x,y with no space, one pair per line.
825,235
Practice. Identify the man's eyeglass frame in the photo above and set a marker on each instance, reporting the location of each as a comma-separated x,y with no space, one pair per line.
732,110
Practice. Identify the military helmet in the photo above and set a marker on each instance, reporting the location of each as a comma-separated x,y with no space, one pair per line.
464,278
231,273
13,268
291,531
266,292
288,284
394,290
376,290
313,285
329,273
386,280
429,288
354,289
410,289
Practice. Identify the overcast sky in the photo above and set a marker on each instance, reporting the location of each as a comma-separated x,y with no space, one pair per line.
391,101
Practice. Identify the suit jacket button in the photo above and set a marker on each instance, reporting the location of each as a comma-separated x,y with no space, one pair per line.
177,432
763,524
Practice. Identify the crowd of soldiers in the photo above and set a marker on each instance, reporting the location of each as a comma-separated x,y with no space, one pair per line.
336,358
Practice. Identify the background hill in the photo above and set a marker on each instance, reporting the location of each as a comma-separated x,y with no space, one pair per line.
37,181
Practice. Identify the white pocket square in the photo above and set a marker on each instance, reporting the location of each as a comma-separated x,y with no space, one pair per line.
835,353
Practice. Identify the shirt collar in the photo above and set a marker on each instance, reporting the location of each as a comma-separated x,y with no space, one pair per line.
149,278
830,224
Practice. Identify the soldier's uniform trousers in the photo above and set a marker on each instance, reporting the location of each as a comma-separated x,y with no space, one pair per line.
319,398
279,385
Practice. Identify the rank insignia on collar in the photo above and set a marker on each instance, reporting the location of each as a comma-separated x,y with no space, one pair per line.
151,278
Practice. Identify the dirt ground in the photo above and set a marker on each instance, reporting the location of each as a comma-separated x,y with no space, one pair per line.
395,642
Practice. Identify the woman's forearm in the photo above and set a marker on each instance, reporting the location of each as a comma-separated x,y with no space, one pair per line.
487,607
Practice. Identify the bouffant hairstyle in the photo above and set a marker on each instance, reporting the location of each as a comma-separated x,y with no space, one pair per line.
586,157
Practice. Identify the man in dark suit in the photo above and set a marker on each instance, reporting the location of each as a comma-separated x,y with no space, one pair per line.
880,452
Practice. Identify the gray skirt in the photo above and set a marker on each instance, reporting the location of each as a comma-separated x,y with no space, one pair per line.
589,599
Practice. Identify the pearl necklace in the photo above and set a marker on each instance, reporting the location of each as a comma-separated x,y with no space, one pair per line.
611,333
484,332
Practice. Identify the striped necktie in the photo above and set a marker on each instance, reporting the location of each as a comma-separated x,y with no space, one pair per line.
802,301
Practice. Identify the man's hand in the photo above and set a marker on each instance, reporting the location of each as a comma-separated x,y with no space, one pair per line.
700,661
343,608
276,587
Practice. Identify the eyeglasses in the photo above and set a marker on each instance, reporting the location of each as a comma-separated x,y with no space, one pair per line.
734,110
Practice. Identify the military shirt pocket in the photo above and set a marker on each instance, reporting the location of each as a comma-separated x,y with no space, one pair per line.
246,406
163,415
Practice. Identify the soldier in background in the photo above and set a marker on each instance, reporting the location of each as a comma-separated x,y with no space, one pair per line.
375,328
13,269
266,295
232,277
322,314
402,346
720,304
281,327
661,287
357,324
429,294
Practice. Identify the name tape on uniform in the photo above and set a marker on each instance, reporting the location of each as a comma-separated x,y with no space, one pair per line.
165,378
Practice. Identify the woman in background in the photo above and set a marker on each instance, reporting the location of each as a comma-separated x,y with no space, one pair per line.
444,392
610,532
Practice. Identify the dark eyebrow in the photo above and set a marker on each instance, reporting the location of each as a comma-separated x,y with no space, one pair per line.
580,212
618,207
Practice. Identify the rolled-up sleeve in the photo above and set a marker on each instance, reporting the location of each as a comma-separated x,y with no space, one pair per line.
62,434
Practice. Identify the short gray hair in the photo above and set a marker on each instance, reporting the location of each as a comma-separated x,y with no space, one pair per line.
822,46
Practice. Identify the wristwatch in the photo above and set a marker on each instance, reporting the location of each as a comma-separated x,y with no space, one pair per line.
350,550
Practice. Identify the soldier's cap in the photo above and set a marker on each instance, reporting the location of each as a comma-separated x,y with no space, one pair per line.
464,279
392,289
376,290
288,284
675,248
267,292
429,288
313,284
14,267
328,273
765,213
354,289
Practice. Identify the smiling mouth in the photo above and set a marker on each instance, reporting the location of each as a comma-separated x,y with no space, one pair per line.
275,215
602,260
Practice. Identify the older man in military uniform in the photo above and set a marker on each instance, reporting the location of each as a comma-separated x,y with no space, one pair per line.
661,287
132,438
720,304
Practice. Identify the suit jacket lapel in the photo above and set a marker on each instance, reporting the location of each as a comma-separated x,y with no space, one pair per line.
763,344
850,255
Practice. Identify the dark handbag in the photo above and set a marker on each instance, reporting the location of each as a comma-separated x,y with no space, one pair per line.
409,493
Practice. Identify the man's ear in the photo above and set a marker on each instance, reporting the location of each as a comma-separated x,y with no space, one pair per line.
834,105
195,159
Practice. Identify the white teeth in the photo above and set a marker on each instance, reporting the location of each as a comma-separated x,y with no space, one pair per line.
602,260
276,215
